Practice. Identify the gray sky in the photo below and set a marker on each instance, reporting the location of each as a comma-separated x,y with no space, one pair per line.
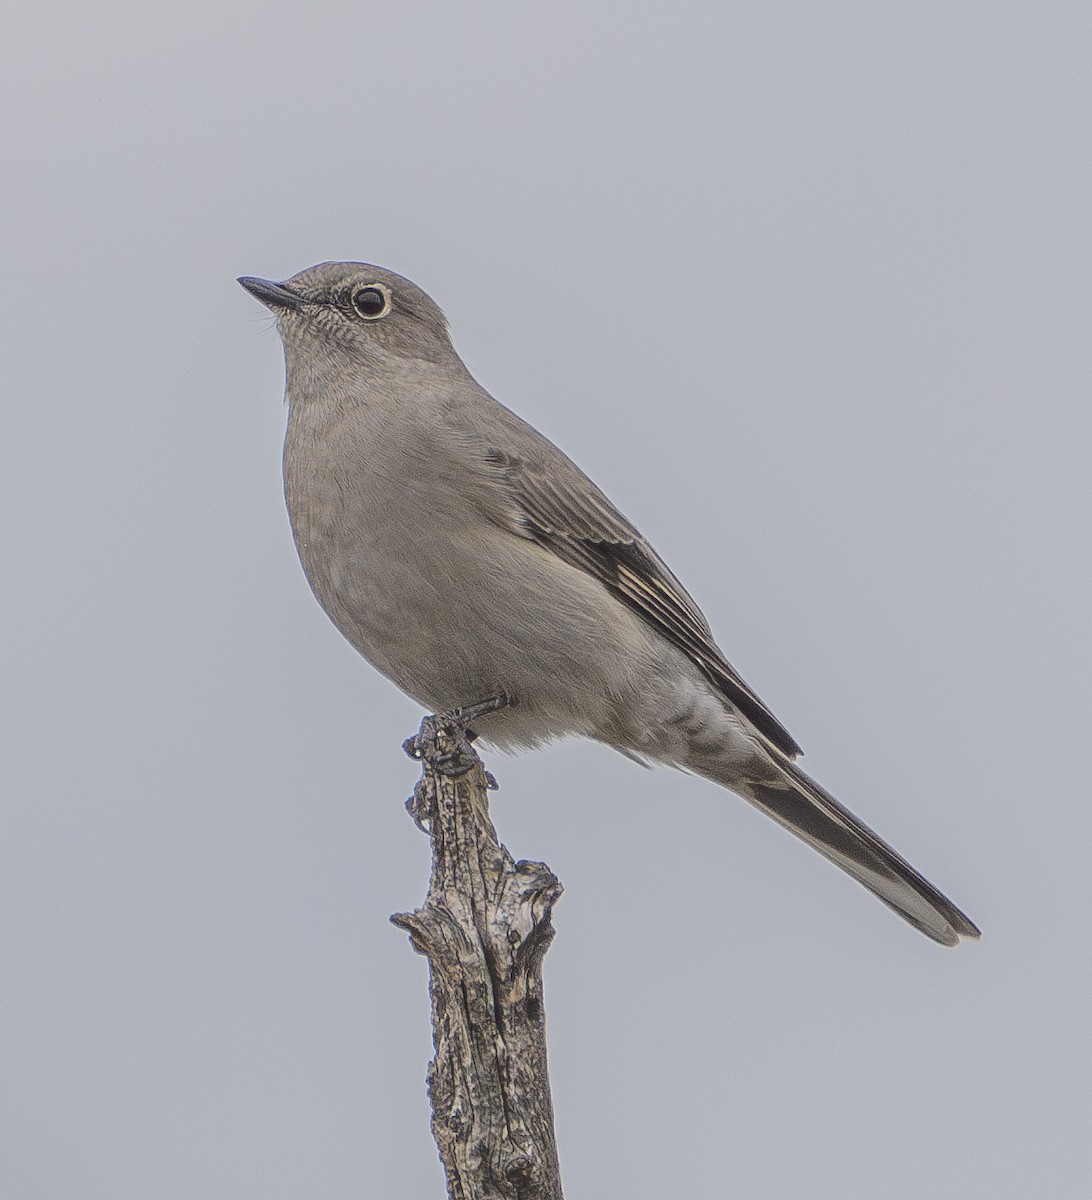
806,288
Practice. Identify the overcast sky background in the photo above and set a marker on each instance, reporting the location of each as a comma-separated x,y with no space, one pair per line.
806,288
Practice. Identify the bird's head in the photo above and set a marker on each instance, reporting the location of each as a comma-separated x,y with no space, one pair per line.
356,309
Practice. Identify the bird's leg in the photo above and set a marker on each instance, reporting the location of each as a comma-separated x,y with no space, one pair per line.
445,738
443,743
463,716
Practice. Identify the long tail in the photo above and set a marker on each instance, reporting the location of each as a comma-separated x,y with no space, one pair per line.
812,813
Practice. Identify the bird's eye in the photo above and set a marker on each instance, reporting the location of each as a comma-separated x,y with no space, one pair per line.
371,301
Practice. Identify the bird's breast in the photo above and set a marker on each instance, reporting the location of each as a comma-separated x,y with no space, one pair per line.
449,604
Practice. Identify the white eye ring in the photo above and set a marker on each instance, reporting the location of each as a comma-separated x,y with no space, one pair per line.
364,297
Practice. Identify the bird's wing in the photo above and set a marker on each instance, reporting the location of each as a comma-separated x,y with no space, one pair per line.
559,507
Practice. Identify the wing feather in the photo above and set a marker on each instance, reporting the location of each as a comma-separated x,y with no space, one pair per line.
566,513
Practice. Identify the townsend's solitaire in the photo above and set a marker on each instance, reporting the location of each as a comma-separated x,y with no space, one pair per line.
466,557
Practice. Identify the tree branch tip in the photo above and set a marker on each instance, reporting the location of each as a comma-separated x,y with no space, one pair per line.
532,866
412,924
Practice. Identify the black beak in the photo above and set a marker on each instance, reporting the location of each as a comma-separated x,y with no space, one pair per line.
272,295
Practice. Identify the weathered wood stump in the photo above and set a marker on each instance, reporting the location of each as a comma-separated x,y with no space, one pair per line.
484,928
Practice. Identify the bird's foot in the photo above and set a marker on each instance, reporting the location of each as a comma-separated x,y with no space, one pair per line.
444,739
443,744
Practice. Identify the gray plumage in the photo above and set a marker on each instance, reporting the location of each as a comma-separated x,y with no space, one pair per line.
464,555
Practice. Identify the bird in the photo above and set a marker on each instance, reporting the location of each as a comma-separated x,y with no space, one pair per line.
469,560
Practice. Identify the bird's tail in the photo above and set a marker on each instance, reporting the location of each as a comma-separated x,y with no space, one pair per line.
796,801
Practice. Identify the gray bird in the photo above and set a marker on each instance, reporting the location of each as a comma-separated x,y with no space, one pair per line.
466,557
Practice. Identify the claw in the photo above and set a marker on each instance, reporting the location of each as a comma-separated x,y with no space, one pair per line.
421,806
443,743
456,725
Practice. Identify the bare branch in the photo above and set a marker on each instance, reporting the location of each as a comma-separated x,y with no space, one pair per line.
485,928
